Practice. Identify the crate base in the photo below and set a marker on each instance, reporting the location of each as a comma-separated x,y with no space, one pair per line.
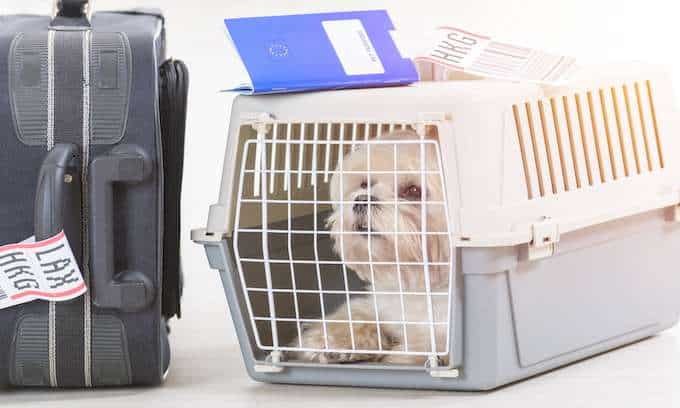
606,286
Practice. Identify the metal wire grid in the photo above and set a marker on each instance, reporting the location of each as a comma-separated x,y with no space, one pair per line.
263,170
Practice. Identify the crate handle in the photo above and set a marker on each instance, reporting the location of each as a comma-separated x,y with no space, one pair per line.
122,290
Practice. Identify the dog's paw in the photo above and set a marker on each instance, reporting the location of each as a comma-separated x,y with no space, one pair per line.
337,339
401,359
334,357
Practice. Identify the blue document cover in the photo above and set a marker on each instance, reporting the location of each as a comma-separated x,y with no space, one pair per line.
319,51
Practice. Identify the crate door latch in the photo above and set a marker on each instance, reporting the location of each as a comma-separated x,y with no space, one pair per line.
545,235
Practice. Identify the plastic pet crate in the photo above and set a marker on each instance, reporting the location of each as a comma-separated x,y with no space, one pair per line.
554,211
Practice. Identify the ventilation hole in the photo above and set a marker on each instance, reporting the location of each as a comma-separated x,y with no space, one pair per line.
596,138
655,123
631,126
607,132
558,135
584,143
548,152
534,146
619,129
522,150
572,143
643,123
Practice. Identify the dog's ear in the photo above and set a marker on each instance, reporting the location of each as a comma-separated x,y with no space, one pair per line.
439,251
431,132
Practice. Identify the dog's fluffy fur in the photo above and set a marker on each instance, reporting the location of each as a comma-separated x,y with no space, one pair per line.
384,246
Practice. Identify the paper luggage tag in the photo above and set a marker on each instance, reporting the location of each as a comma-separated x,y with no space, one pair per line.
480,55
45,270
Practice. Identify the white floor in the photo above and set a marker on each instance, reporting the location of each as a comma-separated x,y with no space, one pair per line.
207,368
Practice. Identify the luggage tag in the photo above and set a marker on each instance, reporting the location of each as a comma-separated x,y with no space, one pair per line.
44,270
463,51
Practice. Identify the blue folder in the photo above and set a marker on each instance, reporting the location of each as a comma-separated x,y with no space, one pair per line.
319,51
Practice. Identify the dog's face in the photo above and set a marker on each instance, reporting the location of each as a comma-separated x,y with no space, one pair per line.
380,231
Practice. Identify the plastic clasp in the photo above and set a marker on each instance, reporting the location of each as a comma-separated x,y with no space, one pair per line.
545,235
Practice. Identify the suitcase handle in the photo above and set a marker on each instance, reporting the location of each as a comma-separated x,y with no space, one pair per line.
72,12
122,290
57,188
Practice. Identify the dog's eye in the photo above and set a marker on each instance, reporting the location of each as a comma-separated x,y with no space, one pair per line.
411,192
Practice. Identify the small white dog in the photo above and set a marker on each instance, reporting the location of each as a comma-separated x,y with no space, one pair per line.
389,262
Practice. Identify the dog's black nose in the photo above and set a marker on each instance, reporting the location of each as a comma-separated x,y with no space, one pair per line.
361,203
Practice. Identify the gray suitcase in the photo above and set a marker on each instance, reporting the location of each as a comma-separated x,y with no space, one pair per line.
91,142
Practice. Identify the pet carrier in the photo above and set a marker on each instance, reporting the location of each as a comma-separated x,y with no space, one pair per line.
91,142
455,235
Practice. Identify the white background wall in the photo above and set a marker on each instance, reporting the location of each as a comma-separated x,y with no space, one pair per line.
591,30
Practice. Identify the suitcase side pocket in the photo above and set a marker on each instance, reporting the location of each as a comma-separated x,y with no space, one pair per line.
174,86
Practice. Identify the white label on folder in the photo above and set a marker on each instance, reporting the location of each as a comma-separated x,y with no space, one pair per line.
476,54
45,270
353,47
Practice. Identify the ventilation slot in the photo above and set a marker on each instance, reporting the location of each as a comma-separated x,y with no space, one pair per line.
588,138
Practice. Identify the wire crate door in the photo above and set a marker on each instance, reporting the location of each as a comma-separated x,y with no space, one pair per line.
343,242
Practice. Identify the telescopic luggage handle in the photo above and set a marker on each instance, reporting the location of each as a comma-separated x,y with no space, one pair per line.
122,290
58,193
